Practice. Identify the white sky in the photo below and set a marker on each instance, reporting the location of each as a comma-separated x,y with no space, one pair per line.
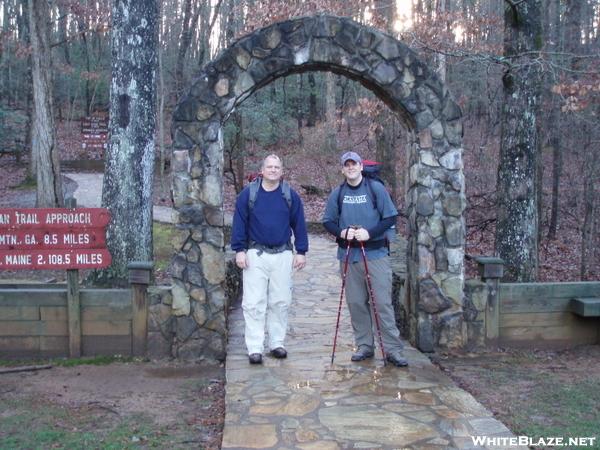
404,8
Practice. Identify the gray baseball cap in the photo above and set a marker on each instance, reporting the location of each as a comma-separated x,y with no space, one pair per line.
350,156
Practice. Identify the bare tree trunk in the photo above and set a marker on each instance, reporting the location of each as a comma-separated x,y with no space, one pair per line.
588,229
571,43
385,133
386,150
66,54
161,97
240,151
312,107
557,167
44,148
190,21
25,35
517,230
86,52
129,174
441,64
331,141
573,28
299,99
343,84
553,123
32,164
233,23
204,31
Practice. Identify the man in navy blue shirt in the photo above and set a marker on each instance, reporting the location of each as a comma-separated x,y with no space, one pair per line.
262,239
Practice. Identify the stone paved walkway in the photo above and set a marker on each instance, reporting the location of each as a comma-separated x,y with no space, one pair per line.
306,403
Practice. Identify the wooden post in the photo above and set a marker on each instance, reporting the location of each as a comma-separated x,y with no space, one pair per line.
73,303
139,277
491,270
74,311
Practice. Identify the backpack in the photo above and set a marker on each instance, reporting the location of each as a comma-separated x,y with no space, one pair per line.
371,175
254,184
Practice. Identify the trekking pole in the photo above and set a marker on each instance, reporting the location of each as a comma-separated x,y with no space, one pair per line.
364,255
337,324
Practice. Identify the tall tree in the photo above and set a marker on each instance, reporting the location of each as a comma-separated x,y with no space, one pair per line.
330,137
386,131
589,224
554,120
299,104
312,103
517,186
190,21
129,173
44,145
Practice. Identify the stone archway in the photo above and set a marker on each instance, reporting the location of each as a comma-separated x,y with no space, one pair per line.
434,193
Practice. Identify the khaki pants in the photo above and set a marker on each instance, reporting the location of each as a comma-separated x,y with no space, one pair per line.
267,298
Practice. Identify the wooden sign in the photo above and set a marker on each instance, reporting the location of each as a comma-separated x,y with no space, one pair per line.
94,145
68,218
94,132
94,125
55,259
53,238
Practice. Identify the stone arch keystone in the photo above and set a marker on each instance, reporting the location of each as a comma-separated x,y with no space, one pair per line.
435,197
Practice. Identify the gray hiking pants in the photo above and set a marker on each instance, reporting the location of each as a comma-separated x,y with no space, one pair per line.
358,299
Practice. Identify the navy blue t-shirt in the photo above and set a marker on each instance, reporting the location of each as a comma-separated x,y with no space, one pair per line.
271,222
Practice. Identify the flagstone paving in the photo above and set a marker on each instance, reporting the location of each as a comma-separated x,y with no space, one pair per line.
305,402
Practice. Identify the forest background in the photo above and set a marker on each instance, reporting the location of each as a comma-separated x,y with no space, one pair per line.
489,53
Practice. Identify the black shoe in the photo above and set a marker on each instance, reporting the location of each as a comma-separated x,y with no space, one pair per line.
279,352
397,359
255,358
362,354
